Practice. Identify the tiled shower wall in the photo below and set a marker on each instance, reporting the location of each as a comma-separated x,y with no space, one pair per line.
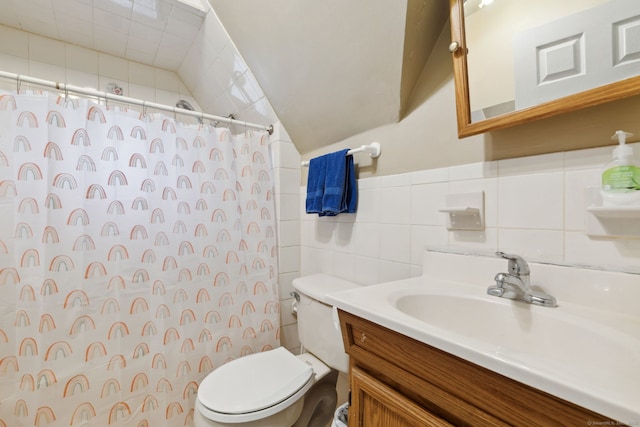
287,178
220,79
45,58
212,70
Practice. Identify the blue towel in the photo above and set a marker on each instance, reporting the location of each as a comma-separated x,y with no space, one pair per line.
315,184
352,186
331,185
340,192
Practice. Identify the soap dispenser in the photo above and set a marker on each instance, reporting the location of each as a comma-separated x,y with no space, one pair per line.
621,176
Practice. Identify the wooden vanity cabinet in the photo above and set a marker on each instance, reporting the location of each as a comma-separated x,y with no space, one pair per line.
398,381
380,405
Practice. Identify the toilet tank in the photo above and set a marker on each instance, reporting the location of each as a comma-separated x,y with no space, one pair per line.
318,327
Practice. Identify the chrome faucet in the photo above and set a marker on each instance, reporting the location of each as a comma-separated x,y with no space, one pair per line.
516,284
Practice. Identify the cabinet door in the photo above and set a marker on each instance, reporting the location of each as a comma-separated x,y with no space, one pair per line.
374,404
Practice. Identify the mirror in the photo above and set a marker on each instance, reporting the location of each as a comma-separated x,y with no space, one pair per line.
516,61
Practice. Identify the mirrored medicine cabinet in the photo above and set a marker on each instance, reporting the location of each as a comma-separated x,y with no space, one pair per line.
516,61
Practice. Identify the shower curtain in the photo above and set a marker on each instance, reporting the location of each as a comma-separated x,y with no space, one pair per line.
136,255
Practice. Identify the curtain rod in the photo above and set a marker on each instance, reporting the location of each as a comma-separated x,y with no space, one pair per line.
127,100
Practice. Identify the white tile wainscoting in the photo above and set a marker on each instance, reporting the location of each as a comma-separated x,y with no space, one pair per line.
534,207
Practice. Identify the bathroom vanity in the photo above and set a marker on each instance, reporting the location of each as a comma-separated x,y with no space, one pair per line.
440,350
398,381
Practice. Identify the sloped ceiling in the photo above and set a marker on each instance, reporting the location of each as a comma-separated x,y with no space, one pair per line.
334,68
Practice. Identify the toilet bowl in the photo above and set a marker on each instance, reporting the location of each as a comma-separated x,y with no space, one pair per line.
276,388
261,389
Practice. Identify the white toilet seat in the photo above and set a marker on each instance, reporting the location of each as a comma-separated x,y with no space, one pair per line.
254,387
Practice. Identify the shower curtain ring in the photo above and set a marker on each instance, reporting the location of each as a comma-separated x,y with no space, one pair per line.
18,83
66,93
144,110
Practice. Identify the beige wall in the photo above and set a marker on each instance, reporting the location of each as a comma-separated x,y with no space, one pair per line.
426,137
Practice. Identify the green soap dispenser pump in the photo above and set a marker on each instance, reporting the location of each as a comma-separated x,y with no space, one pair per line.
621,176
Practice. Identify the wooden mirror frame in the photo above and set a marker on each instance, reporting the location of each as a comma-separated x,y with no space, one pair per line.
600,95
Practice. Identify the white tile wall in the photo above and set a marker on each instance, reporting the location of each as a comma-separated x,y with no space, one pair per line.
156,33
220,79
534,206
68,34
531,201
286,161
37,56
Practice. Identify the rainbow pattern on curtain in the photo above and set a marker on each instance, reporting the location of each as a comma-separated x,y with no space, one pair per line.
136,255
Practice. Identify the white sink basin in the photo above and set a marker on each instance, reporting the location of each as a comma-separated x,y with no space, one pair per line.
563,342
586,350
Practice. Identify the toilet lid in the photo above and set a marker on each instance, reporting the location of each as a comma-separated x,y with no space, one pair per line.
253,383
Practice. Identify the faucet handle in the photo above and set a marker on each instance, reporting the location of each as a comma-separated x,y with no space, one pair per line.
517,265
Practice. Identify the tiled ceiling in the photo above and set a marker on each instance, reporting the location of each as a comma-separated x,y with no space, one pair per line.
153,32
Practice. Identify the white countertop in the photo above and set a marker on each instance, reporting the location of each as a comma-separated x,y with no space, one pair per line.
597,366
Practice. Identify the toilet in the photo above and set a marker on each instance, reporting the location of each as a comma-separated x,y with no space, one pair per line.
277,388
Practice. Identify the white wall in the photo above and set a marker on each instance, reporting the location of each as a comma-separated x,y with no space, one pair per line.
36,56
287,178
219,78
